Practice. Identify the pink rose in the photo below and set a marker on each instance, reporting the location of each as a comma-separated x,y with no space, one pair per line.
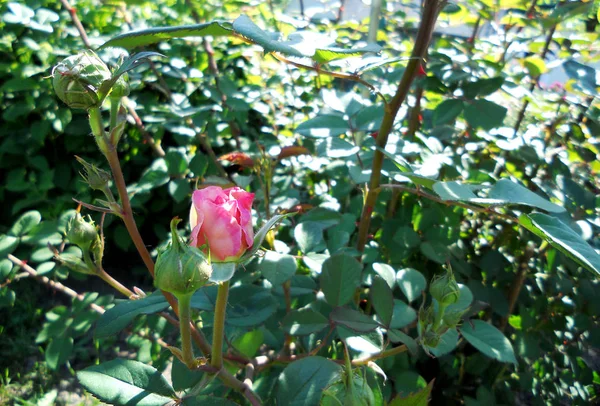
221,220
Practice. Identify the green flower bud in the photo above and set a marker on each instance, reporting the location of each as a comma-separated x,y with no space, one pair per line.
444,289
181,269
120,88
337,393
453,319
431,339
426,318
81,232
95,177
77,78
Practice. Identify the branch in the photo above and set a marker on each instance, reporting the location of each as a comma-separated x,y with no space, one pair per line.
467,206
77,23
158,151
430,14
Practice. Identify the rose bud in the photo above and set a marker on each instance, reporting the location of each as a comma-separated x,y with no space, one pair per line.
444,289
180,269
77,78
81,232
221,222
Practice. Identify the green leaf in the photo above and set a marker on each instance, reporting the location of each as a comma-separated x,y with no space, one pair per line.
484,114
130,63
303,322
269,41
249,343
447,111
482,87
397,336
199,164
403,315
420,398
340,276
6,267
325,55
206,400
249,306
119,317
142,38
182,377
464,301
261,234
513,193
447,344
535,66
8,244
369,343
125,382
583,74
302,382
179,189
386,272
309,235
278,268
25,223
382,299
58,352
489,340
411,282
334,147
322,126
563,238
353,319
7,297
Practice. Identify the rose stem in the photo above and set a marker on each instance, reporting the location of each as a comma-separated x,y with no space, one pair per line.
219,326
185,330
430,14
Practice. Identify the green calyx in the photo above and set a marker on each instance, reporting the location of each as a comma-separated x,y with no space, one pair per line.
76,80
181,269
444,289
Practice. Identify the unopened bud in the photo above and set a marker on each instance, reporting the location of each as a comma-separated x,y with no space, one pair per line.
181,269
453,319
95,177
76,80
431,339
74,263
81,232
444,289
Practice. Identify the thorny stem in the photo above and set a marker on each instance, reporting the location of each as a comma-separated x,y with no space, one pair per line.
430,14
156,148
354,78
118,286
429,196
384,354
534,81
77,22
219,326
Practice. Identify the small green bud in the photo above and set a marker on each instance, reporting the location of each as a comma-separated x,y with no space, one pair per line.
338,394
76,80
95,177
453,319
444,289
426,317
81,232
181,269
431,339
120,88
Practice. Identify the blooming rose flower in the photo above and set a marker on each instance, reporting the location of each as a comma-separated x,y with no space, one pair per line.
221,220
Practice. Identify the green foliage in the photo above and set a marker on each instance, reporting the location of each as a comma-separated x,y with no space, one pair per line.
494,173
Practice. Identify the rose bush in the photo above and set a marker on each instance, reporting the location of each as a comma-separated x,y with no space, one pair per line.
221,222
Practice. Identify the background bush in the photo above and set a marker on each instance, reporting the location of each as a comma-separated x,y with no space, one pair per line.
458,124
